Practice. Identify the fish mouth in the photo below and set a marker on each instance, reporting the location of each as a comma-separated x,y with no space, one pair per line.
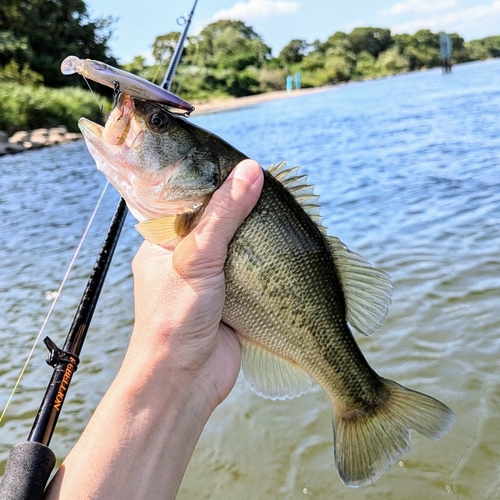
147,193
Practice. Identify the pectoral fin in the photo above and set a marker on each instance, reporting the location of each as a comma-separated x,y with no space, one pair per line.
164,229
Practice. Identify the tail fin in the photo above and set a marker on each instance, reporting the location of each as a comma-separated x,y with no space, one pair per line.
367,445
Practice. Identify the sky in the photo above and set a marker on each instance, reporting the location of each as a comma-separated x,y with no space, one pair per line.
279,21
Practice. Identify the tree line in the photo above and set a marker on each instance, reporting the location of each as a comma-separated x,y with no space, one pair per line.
230,58
227,58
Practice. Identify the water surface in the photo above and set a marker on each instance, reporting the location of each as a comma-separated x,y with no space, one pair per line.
408,173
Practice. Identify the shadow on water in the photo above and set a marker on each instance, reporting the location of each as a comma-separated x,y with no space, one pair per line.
408,173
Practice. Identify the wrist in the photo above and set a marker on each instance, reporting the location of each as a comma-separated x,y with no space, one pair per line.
155,380
157,423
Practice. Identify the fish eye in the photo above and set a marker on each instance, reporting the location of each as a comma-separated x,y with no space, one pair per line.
158,120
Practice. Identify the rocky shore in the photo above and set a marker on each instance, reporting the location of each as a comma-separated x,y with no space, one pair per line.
34,139
42,137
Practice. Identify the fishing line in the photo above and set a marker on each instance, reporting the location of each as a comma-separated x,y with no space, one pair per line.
101,105
56,296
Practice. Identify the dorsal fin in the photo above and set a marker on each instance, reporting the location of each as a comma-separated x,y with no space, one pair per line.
301,190
367,290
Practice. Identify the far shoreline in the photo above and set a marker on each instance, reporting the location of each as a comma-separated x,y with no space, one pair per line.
216,105
223,104
40,138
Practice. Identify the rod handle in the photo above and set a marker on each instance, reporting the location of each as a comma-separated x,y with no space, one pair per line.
27,471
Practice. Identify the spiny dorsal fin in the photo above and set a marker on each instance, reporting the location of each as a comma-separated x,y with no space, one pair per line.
367,290
271,376
301,190
164,229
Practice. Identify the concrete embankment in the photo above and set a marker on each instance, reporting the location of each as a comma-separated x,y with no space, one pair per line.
34,139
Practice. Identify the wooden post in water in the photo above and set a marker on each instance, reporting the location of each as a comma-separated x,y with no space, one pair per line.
445,50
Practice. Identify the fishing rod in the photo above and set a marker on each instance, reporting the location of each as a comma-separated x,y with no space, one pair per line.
31,462
176,56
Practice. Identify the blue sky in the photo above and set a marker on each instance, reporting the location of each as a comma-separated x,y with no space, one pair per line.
279,21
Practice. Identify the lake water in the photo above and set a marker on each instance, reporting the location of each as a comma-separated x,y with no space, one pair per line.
408,170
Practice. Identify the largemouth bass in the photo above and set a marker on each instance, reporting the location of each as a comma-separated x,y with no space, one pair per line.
292,291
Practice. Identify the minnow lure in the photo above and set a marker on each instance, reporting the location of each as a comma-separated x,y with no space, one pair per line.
123,81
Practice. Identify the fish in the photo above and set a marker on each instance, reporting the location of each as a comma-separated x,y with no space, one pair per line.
294,294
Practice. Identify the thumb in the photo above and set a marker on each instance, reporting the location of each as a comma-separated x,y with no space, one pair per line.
232,202
207,244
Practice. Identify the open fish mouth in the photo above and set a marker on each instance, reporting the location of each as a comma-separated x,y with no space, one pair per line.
147,193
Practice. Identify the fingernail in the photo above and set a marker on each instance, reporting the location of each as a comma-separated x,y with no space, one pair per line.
248,171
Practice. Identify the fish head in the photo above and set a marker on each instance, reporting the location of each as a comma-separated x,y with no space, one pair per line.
160,164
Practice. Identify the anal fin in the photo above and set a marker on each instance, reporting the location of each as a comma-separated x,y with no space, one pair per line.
272,376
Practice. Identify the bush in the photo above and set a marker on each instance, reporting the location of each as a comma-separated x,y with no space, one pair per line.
366,65
24,107
13,73
391,62
272,79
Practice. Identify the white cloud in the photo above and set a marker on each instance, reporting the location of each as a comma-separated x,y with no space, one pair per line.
470,22
253,9
426,6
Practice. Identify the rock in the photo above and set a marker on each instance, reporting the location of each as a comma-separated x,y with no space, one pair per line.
61,130
19,137
38,138
42,132
4,137
73,136
35,143
56,136
10,148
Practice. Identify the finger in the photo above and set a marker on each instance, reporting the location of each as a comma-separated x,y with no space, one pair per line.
232,202
228,208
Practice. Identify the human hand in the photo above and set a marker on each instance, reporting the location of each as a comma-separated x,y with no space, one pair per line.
179,295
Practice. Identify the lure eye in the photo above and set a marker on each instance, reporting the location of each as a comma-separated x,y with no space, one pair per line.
158,120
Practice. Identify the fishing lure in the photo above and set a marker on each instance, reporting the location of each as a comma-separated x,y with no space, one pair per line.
123,81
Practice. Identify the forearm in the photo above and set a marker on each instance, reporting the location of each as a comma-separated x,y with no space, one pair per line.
140,439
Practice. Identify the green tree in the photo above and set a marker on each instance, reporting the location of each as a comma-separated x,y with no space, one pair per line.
461,51
391,62
401,41
484,48
338,40
24,75
372,40
46,31
365,65
13,48
231,53
231,45
422,50
328,63
293,52
164,46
